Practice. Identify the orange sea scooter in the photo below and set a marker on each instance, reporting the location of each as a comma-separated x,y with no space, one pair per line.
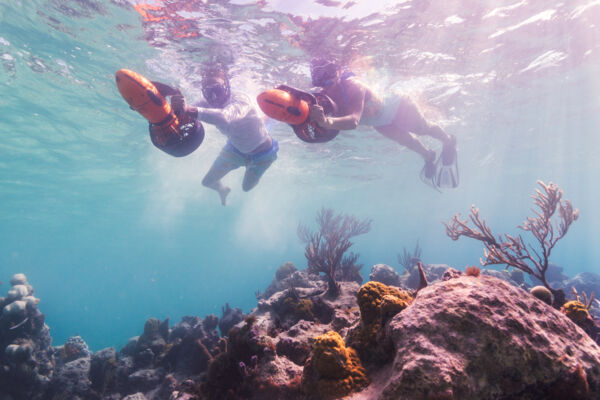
290,105
177,135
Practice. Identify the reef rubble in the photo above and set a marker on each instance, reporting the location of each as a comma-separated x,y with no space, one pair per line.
464,336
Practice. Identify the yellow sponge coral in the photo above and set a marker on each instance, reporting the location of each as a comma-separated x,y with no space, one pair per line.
378,303
370,298
334,370
575,310
392,305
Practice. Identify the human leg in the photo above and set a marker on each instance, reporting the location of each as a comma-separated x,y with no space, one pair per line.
406,139
411,119
256,169
448,155
225,162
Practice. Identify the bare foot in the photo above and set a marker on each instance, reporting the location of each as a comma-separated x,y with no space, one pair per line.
223,192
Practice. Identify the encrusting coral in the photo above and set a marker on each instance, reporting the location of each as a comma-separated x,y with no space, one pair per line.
370,297
334,370
575,310
295,308
74,348
377,303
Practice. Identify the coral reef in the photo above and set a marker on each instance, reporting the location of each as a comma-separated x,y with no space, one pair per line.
264,356
291,277
26,355
232,372
150,366
334,370
513,251
454,337
71,380
229,318
325,248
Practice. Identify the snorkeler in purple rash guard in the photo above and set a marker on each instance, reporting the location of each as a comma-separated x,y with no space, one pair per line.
396,117
248,143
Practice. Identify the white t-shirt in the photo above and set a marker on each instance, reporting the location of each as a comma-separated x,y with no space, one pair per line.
238,120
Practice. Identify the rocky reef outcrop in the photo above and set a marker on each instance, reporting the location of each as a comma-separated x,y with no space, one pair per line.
482,338
26,354
464,336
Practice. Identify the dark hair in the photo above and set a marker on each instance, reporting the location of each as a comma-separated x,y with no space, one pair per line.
323,62
323,71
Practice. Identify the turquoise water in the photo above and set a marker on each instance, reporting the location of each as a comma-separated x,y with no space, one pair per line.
110,231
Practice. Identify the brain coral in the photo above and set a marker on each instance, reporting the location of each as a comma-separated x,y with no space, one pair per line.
542,293
334,370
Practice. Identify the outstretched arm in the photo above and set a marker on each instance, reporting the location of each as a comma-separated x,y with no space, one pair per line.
221,116
355,94
237,108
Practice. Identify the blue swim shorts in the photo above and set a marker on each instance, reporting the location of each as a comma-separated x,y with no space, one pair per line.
231,158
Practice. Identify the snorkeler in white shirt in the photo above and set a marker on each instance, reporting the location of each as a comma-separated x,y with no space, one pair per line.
233,114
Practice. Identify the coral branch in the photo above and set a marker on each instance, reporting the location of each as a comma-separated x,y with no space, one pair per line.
408,259
422,278
513,251
325,248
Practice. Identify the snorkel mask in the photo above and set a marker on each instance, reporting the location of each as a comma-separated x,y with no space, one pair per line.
215,86
216,93
323,72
